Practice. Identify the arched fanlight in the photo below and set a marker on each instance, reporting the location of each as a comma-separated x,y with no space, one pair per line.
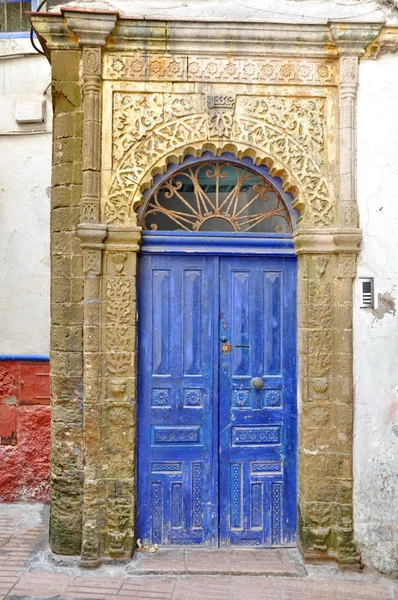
217,195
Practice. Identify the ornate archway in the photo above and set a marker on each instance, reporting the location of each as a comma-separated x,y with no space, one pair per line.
288,104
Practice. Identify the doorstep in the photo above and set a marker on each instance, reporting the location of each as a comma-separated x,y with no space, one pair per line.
283,562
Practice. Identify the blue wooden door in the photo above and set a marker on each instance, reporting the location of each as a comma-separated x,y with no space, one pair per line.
217,456
177,400
257,401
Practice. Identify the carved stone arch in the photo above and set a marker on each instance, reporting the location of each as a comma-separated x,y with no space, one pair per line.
150,136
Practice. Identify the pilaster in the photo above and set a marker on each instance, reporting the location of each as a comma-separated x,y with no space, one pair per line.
327,263
117,485
92,237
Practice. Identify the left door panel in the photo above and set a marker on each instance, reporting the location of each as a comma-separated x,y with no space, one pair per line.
177,457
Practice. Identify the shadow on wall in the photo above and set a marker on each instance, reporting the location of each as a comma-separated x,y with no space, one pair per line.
24,431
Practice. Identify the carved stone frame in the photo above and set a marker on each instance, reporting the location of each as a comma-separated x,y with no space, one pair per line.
288,100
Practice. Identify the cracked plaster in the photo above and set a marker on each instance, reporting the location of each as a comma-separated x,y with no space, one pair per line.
376,331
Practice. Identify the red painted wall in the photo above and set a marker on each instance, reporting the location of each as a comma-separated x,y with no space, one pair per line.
24,431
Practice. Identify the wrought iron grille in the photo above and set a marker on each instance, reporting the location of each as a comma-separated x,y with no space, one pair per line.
217,196
13,17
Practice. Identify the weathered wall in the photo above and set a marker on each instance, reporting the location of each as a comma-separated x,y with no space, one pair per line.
376,331
25,149
24,431
25,205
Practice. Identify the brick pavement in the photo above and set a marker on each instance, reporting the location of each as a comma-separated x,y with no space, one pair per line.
28,573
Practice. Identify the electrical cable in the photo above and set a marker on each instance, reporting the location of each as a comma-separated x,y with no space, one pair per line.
32,40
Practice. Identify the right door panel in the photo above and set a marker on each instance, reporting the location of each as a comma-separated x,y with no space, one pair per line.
257,417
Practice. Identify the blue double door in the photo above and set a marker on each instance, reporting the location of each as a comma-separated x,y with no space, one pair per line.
217,400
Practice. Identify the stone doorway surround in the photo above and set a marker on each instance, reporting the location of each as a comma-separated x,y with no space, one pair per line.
130,97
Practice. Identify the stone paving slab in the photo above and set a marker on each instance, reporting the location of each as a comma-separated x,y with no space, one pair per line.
28,572
234,561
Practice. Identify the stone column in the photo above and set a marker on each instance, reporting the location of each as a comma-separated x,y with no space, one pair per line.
348,132
92,237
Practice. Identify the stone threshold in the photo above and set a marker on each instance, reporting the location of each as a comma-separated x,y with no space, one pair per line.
270,562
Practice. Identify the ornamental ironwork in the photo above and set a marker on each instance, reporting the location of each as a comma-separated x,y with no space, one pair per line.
217,196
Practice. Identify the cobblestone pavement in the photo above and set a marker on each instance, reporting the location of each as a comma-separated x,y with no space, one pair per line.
29,572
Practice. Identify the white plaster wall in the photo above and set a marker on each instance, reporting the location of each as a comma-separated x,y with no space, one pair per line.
25,154
376,331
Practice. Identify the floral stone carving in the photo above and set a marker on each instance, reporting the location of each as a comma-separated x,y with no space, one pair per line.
287,133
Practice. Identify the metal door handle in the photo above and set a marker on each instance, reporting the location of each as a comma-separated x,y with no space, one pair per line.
257,383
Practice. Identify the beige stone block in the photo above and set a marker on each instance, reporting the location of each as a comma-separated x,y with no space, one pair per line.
67,313
317,414
318,439
343,418
344,389
75,363
64,125
92,390
62,174
59,363
60,290
320,465
344,317
91,338
343,341
66,390
61,266
61,196
322,489
76,195
65,65
67,96
66,338
77,289
61,220
66,150
77,173
77,265
92,364
62,242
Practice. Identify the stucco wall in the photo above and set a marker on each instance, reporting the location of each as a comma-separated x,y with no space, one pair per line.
376,331
24,207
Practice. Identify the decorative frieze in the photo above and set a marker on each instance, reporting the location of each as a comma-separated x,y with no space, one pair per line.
288,71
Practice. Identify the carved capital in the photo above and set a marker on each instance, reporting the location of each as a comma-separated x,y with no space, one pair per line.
124,238
92,237
91,29
333,241
353,38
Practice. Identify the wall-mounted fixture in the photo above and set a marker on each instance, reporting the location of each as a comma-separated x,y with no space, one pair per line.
367,292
